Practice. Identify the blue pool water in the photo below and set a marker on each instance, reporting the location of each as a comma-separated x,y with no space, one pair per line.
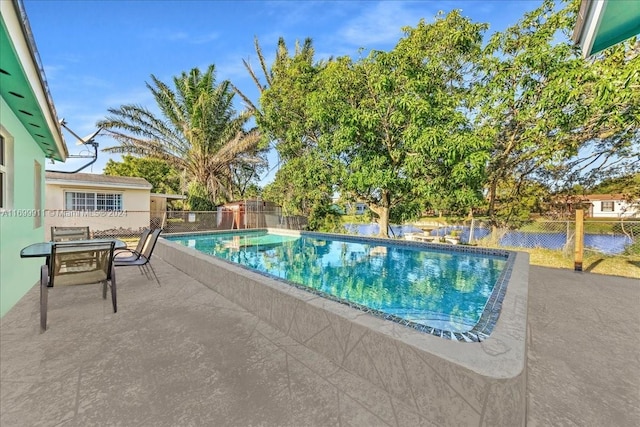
435,288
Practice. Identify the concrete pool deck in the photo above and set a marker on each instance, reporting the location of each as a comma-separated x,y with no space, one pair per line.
179,354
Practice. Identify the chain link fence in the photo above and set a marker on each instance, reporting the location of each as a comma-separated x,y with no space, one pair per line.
607,238
612,238
128,225
197,221
610,246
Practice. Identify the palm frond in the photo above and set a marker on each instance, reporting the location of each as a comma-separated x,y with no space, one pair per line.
199,132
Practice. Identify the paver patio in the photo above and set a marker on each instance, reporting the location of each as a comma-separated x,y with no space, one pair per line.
179,354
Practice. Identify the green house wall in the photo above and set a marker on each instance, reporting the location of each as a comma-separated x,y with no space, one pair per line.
18,275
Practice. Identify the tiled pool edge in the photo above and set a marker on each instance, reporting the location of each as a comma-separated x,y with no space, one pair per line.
446,381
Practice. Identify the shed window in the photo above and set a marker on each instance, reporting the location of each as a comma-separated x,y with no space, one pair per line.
76,201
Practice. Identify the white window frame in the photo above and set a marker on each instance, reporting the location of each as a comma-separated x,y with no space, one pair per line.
93,201
6,170
37,194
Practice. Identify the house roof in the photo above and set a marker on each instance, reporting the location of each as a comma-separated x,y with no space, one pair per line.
22,83
96,180
603,23
605,197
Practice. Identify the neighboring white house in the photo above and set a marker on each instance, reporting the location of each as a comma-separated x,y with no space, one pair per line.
610,206
101,202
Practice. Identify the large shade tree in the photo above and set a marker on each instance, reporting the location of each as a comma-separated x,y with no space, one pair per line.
550,115
394,124
198,132
303,185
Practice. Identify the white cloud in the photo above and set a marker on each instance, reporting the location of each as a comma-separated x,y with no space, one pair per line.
204,38
380,24
181,36
52,71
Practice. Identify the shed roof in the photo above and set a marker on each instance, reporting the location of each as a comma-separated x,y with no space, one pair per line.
169,196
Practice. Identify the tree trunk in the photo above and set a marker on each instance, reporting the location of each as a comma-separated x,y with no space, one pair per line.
383,222
382,211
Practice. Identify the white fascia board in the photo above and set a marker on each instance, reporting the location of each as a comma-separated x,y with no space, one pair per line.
91,184
25,51
591,24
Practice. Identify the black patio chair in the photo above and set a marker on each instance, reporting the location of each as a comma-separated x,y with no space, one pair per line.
143,258
73,263
126,254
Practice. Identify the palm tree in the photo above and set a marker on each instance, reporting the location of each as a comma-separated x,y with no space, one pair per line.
199,132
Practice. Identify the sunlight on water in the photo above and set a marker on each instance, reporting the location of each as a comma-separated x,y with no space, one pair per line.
446,290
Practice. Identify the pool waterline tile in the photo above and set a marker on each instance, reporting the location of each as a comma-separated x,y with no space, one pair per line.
471,373
480,331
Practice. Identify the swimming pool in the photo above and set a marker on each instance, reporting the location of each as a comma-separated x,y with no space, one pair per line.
441,292
445,381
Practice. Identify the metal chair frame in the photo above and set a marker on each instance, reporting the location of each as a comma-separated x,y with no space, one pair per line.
144,257
63,234
73,263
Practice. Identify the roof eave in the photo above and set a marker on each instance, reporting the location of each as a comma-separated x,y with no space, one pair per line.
19,34
589,18
86,184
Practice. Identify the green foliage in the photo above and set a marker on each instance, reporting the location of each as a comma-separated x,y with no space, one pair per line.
158,173
627,184
301,184
325,218
633,249
198,198
199,133
440,121
386,129
548,114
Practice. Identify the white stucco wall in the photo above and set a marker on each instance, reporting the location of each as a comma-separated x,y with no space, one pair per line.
134,214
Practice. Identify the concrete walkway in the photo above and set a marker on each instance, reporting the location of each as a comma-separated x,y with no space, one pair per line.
178,354
584,349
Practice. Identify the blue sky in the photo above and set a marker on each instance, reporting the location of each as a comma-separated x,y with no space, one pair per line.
98,54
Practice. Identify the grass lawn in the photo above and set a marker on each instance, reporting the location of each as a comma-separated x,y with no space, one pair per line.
626,266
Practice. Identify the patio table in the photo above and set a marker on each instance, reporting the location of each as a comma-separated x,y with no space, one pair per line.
43,249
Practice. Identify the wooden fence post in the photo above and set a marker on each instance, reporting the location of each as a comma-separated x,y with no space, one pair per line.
579,239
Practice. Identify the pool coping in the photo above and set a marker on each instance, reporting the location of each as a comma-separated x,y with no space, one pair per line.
448,382
508,335
480,331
